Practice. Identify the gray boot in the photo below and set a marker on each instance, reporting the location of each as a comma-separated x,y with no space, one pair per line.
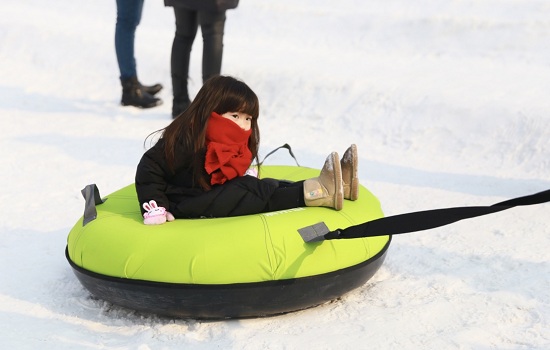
327,190
348,164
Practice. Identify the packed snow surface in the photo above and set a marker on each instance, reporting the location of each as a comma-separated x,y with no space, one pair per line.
447,101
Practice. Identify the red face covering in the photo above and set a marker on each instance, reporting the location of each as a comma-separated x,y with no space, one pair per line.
227,153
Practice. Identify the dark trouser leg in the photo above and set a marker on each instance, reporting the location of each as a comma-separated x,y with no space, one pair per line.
287,196
133,93
128,18
186,30
212,28
243,195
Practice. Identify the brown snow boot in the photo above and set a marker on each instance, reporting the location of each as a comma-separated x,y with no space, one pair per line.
348,164
327,190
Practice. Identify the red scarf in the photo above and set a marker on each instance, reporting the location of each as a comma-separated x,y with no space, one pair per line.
227,153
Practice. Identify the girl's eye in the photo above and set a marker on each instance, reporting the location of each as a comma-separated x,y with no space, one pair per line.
236,116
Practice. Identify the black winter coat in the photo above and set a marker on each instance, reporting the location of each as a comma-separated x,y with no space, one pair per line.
204,5
177,192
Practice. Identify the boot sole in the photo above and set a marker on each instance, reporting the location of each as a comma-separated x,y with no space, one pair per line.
339,195
351,190
354,189
354,184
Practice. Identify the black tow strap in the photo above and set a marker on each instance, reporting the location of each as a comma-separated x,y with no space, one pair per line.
416,221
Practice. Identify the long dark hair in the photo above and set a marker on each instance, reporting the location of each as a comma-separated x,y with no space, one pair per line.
220,94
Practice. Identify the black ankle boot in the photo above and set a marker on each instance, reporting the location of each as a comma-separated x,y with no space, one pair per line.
134,95
151,89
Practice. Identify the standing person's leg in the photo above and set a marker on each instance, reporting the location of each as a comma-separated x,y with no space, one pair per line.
186,30
212,27
127,20
133,93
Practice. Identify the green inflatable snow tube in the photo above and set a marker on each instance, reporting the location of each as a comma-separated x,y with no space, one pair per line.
246,266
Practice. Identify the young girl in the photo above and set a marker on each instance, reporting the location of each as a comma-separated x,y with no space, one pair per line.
197,168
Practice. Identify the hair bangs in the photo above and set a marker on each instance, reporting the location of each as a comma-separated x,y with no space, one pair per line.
239,98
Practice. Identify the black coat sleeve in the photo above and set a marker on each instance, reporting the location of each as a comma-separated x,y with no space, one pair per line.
151,177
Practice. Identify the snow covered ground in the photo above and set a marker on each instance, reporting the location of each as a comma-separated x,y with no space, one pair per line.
447,101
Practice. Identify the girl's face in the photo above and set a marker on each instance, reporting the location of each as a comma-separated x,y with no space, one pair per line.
243,120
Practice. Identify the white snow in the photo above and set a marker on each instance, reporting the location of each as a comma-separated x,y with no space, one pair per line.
448,103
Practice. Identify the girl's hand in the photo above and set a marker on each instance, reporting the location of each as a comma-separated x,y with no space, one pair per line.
156,215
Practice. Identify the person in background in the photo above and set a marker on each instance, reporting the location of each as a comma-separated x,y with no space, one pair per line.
133,92
210,15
